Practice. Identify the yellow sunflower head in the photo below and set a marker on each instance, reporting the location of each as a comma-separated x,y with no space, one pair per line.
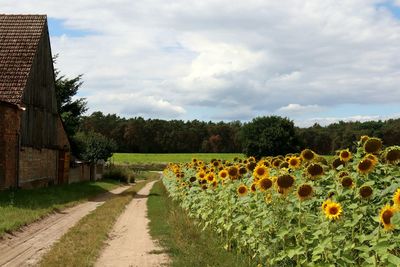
233,172
325,204
365,166
337,162
223,174
315,170
192,179
333,211
345,155
261,171
251,166
304,192
373,145
242,190
366,192
396,198
242,170
386,215
364,139
392,154
294,162
285,182
347,182
307,154
265,184
253,187
276,162
284,165
201,175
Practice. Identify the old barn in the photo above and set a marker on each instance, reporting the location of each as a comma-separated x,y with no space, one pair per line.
34,148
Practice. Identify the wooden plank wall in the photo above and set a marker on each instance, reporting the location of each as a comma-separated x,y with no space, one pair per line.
39,120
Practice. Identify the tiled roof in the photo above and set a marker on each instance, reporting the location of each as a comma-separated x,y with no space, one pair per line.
19,38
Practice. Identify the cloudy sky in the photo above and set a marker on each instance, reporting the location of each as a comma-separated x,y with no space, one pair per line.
310,60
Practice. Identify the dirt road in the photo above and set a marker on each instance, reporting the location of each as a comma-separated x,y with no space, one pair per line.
130,243
26,247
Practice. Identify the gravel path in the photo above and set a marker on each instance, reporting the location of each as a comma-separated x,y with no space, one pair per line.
26,247
130,243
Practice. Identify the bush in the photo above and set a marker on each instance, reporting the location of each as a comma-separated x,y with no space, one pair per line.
268,136
119,173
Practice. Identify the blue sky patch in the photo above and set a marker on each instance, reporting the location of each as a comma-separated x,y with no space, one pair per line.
57,28
391,7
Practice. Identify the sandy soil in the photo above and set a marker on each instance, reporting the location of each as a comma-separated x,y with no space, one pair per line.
27,246
130,243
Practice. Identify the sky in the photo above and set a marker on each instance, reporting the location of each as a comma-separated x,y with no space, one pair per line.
313,61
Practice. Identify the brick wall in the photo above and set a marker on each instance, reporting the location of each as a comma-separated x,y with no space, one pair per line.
37,167
9,129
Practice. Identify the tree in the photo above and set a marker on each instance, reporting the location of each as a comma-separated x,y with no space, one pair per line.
94,146
265,136
70,109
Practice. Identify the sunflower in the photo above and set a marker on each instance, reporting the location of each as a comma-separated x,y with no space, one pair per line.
392,154
315,170
396,198
373,145
284,165
251,165
265,184
260,172
242,170
284,182
307,154
215,163
345,155
253,187
242,190
204,187
343,174
372,157
267,163
337,162
386,215
214,183
333,211
223,174
233,172
251,159
210,177
304,192
365,166
276,162
364,139
294,162
347,182
325,204
192,179
366,191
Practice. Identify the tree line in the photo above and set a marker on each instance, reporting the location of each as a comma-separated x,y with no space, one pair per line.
139,135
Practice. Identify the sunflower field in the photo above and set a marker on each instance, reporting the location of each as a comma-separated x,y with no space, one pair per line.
299,209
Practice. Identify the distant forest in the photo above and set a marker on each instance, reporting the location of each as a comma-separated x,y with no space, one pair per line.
138,135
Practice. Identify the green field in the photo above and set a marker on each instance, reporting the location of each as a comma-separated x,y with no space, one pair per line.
129,158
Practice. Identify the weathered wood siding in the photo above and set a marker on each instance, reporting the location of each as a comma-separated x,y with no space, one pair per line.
39,120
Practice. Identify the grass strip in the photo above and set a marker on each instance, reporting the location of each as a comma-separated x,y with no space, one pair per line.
129,158
81,245
185,242
21,207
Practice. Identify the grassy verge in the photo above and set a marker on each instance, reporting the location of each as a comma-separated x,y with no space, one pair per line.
81,245
130,158
21,207
185,242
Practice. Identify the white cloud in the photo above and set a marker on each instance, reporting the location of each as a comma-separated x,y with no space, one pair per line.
260,55
299,109
323,121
